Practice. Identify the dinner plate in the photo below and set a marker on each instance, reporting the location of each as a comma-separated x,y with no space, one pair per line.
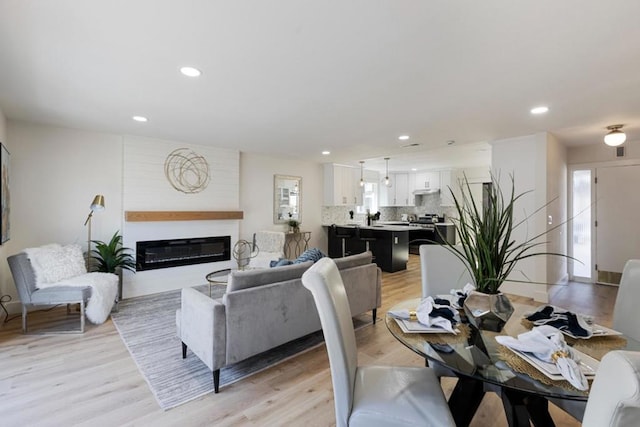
588,365
415,327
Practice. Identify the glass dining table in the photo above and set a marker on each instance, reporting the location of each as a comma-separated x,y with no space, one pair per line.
482,365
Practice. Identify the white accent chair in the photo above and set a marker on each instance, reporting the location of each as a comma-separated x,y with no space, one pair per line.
369,395
614,400
625,312
441,270
270,247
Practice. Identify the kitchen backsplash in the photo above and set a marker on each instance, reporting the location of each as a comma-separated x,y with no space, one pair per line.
428,204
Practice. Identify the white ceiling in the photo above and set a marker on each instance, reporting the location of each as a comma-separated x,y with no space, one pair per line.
294,77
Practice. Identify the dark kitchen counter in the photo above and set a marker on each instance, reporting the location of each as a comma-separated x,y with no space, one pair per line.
388,243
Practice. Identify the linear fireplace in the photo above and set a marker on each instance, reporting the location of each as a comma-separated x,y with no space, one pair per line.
177,252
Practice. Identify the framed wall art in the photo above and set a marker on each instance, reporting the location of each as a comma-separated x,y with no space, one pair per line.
5,194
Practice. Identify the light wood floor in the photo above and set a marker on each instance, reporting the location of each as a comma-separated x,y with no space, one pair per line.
91,380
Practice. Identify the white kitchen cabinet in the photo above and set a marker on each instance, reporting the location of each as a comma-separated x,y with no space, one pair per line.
399,192
401,189
385,193
403,185
427,180
353,189
342,186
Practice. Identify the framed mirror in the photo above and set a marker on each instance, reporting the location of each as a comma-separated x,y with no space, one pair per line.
287,198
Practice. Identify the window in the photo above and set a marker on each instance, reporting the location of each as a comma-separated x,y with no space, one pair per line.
581,224
369,198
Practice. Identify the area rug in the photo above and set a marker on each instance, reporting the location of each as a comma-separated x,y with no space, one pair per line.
147,327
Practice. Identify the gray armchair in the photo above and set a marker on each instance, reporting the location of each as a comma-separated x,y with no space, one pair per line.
30,296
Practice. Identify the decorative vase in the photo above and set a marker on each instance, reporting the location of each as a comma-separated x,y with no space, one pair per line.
488,311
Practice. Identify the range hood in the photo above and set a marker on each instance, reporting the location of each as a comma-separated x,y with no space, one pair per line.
422,191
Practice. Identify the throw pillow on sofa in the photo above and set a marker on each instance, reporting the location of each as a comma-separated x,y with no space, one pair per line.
313,254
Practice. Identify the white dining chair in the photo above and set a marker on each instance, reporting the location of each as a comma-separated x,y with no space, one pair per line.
614,399
625,311
369,395
625,320
441,270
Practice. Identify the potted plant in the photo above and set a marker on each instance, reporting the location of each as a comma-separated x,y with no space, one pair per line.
112,257
489,251
294,225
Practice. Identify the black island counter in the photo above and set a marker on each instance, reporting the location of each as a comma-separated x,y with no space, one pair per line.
390,243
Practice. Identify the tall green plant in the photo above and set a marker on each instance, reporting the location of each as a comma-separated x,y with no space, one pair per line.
485,232
111,256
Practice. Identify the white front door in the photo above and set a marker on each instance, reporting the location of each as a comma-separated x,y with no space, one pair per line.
618,220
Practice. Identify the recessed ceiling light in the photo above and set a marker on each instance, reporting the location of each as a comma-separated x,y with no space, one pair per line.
326,153
403,137
190,71
414,169
539,110
140,118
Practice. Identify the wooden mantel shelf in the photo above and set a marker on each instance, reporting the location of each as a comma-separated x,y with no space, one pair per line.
143,216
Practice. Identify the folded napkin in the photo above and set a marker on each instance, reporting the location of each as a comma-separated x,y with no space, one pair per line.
431,314
547,344
462,294
564,320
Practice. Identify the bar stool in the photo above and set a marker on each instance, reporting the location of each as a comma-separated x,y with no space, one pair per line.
342,233
367,239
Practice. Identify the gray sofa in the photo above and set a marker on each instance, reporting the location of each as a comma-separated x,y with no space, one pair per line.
265,308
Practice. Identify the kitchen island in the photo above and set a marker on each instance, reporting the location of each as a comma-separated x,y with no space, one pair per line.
390,242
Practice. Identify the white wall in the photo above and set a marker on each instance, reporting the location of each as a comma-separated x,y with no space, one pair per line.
557,271
601,152
146,188
6,284
256,195
55,173
525,158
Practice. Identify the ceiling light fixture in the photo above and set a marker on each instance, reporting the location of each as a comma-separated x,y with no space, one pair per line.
539,110
615,136
361,173
326,153
403,137
140,119
387,182
190,71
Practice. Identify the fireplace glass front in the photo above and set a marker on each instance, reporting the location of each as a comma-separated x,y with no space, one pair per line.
155,254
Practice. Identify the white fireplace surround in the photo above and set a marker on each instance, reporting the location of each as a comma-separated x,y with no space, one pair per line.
165,279
145,188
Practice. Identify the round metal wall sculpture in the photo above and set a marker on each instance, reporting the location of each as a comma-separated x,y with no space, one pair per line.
187,171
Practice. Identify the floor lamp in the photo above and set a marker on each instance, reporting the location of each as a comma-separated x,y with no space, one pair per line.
96,205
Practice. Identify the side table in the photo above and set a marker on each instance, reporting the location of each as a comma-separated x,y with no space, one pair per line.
219,277
295,243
